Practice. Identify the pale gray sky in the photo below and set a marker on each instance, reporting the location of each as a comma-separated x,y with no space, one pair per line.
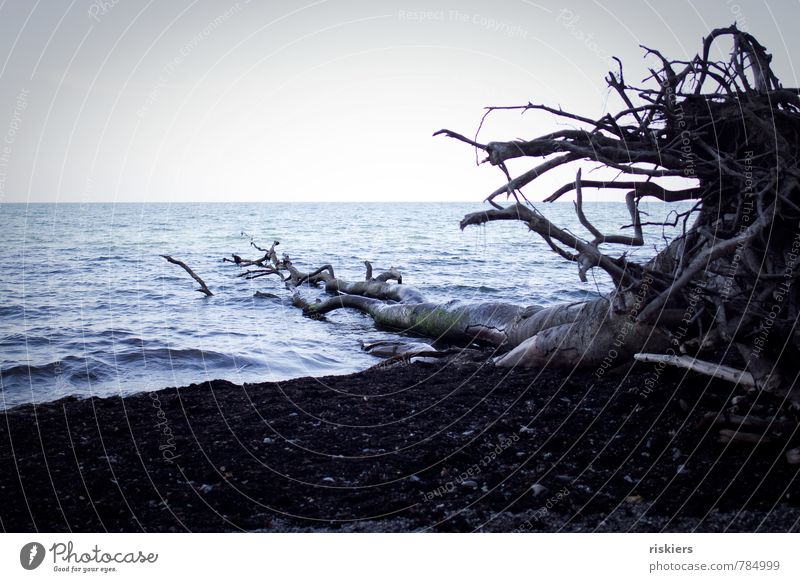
127,100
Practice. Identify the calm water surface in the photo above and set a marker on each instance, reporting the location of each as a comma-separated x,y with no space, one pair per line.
89,308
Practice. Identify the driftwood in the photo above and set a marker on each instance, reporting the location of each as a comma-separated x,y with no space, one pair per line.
729,278
740,377
726,280
203,287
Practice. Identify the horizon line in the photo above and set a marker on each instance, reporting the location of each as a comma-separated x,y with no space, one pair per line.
163,202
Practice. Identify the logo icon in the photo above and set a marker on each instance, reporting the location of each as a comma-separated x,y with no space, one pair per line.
31,555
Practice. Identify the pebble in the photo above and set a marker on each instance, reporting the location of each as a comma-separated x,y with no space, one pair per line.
538,489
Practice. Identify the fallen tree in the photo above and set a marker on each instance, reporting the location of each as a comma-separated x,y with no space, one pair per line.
559,334
726,281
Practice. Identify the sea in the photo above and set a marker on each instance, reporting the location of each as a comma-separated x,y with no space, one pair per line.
89,308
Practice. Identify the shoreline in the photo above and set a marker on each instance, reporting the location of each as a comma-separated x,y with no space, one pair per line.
426,447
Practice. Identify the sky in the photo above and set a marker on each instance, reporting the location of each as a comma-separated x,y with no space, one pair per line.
337,100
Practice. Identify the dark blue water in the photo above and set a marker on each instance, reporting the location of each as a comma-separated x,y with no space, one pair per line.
89,308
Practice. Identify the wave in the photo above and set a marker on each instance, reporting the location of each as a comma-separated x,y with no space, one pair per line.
15,340
185,358
472,288
77,369
10,310
113,258
70,369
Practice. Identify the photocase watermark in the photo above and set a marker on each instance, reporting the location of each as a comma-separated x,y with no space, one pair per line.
542,512
747,211
569,20
778,296
31,555
172,65
95,560
66,558
736,10
688,157
692,309
99,8
486,22
7,147
465,476
167,447
628,324
422,15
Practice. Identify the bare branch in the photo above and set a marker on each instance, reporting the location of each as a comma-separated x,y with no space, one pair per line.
588,254
741,377
641,189
203,287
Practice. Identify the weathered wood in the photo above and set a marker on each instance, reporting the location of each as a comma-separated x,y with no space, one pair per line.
730,276
203,287
740,377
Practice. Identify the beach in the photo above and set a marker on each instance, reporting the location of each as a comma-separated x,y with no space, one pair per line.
457,446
